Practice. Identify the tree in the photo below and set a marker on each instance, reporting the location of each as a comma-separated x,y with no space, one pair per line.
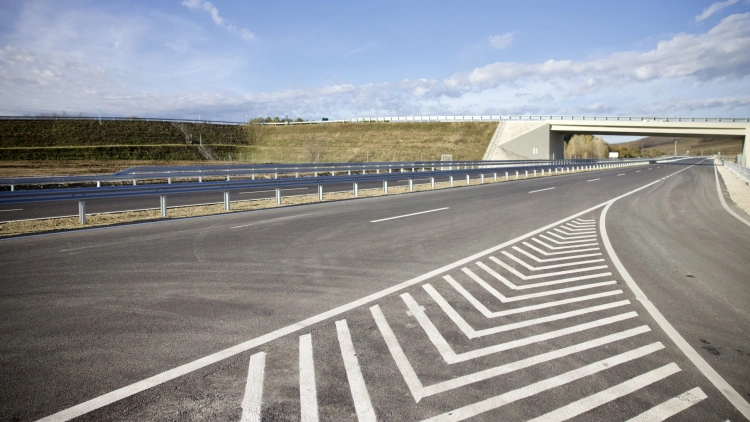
586,146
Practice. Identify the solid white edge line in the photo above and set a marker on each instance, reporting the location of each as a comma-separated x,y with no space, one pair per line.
671,407
360,396
717,380
160,378
253,398
593,180
17,209
308,395
409,215
724,203
540,190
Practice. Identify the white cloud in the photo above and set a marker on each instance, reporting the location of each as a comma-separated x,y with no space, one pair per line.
715,7
209,8
501,42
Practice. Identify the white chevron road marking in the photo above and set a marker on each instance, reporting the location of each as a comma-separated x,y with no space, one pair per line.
489,314
544,385
547,267
558,253
613,393
513,286
471,333
545,275
505,299
562,258
671,407
563,247
420,391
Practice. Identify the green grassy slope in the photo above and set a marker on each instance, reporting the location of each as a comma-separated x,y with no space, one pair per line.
696,146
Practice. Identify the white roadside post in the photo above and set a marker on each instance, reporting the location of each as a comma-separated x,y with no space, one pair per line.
432,182
356,189
516,174
278,195
411,185
320,192
506,175
534,173
98,185
226,200
169,180
481,178
527,174
82,212
385,186
450,180
134,182
163,203
468,180
494,175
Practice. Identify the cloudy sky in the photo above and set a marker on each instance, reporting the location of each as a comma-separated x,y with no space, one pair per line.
227,59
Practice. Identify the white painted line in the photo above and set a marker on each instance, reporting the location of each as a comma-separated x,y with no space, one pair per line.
544,385
621,174
582,236
308,395
547,267
717,380
593,180
160,378
272,190
558,253
572,228
566,242
361,397
451,357
638,171
253,398
409,215
471,333
489,314
531,285
16,209
574,232
610,394
649,169
583,220
274,220
504,299
419,391
78,249
563,247
562,258
540,190
553,274
671,407
724,203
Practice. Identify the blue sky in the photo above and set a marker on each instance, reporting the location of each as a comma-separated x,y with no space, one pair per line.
226,59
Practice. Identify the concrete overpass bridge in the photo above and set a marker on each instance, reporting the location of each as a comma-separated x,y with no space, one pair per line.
542,137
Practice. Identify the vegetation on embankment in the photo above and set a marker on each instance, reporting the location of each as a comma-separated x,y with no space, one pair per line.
142,140
665,146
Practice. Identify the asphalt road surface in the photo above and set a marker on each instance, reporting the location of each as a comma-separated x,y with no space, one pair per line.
599,296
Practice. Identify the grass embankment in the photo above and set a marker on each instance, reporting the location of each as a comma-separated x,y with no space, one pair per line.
87,143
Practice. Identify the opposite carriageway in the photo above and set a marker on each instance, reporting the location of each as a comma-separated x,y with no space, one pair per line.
162,190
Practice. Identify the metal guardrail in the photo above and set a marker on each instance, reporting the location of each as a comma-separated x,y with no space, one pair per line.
741,171
162,190
402,119
252,170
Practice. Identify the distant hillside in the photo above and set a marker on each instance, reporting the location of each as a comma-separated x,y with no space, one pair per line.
696,146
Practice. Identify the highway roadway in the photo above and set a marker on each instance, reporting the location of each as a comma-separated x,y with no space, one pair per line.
596,296
38,210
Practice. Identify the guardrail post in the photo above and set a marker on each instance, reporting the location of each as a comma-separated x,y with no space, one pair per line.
377,171
226,200
385,186
389,170
450,178
228,179
252,177
468,180
278,195
333,172
356,189
320,192
163,203
350,173
134,182
276,175
169,180
200,179
432,182
82,212
98,185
